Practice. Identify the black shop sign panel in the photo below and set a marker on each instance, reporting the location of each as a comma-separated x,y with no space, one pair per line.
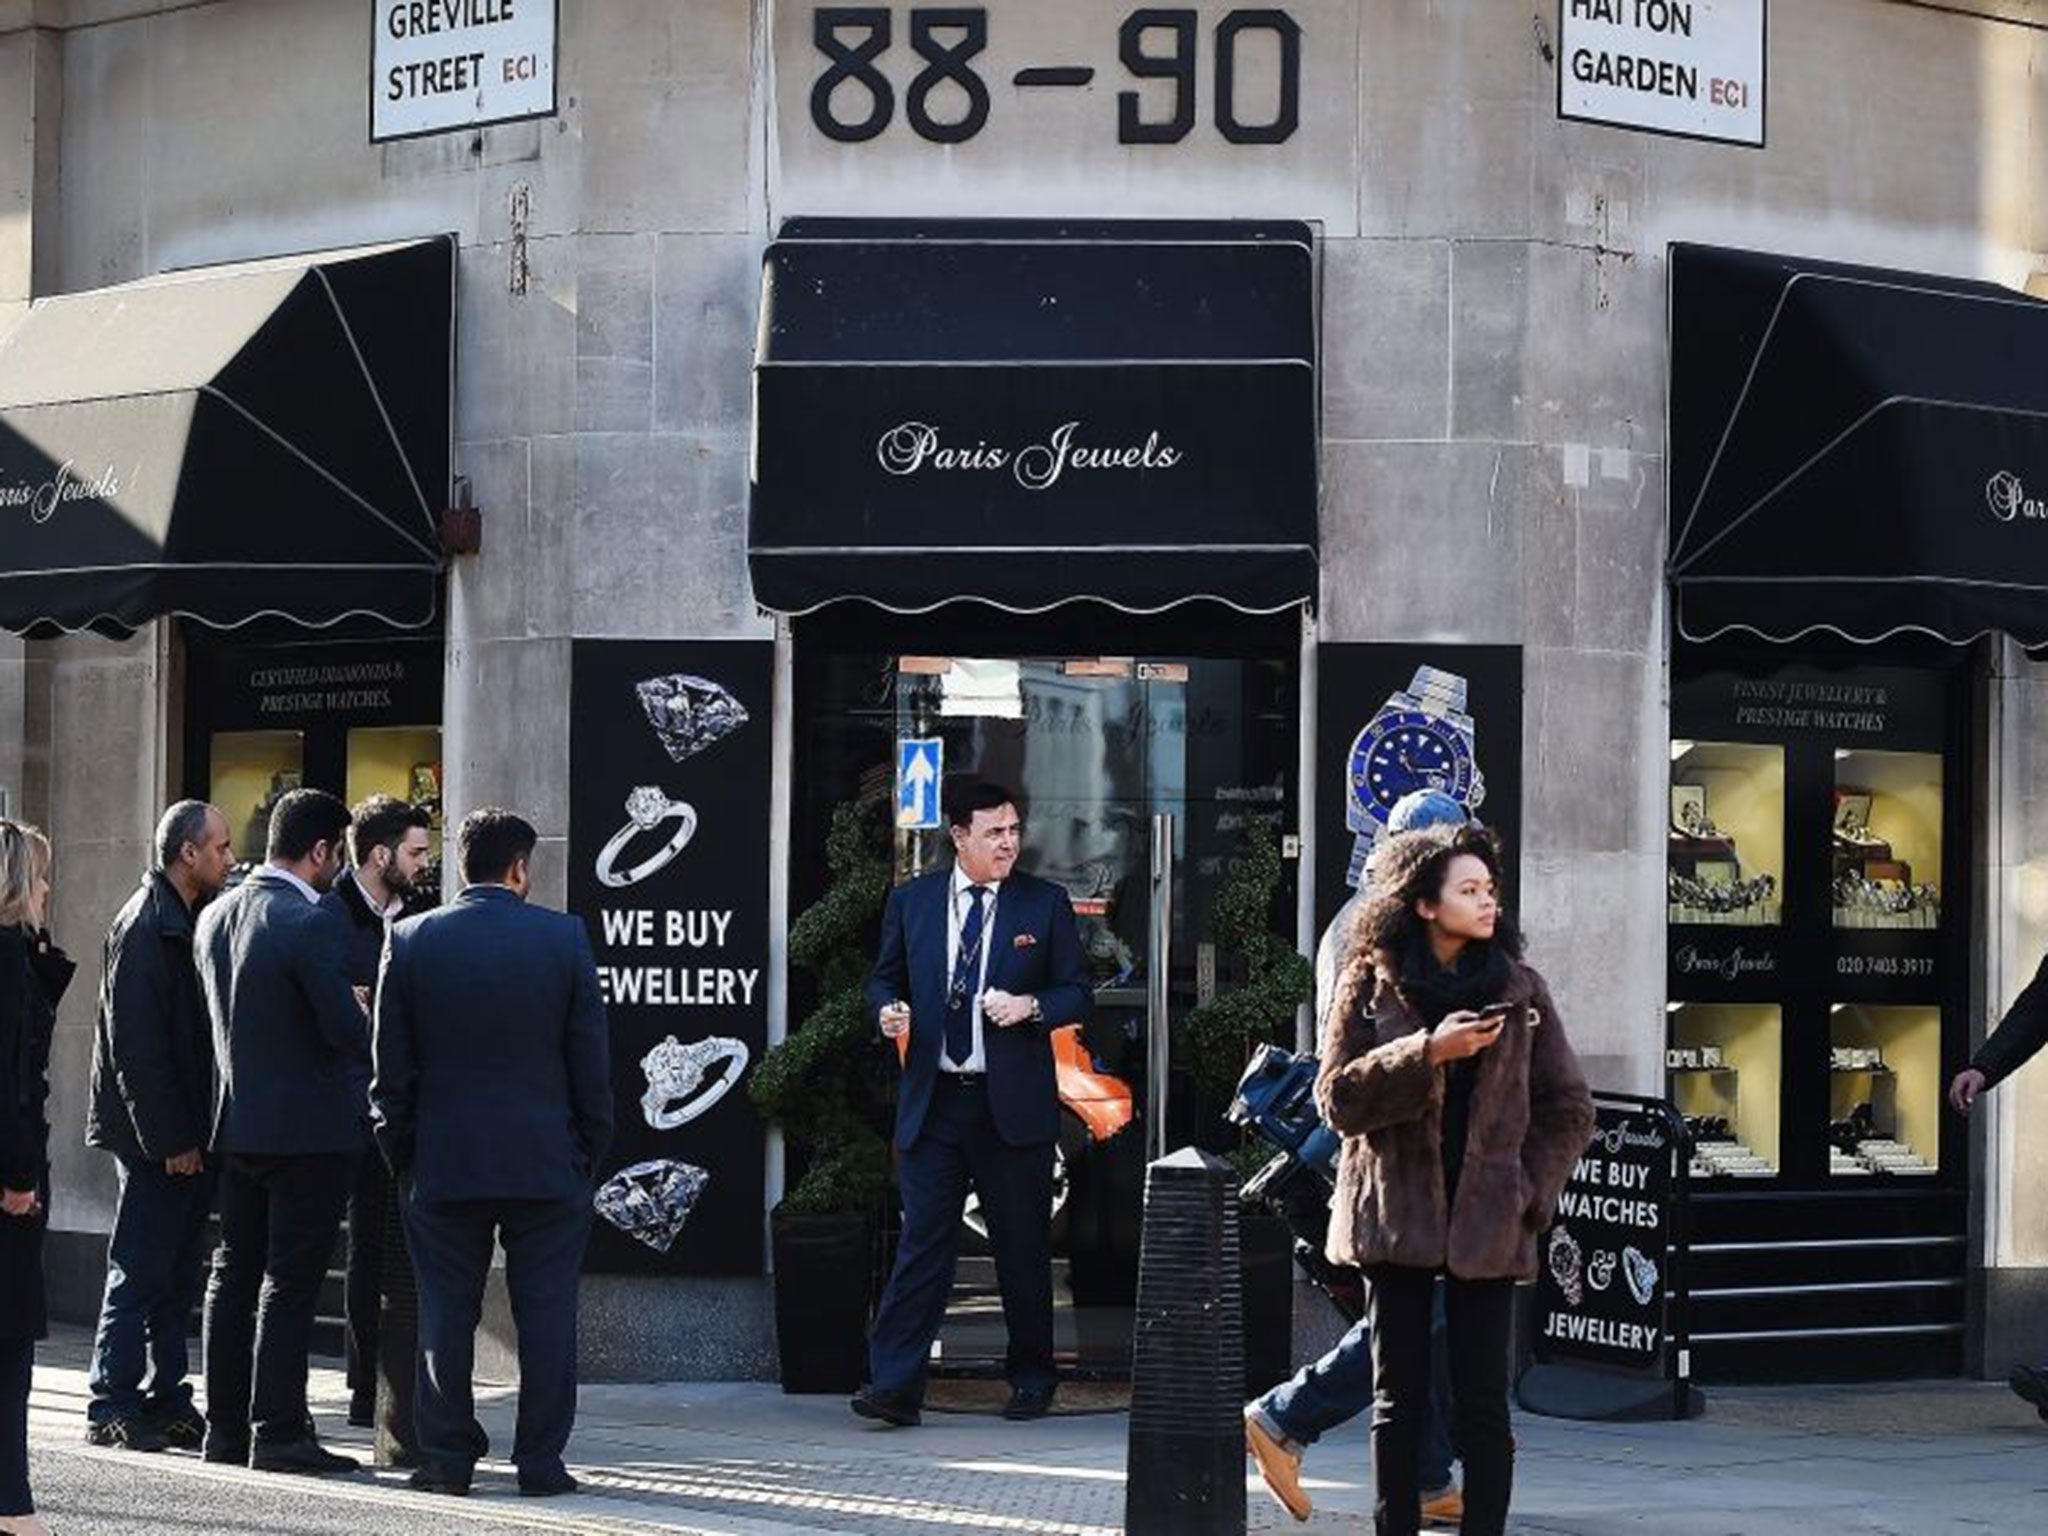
1604,1263
668,856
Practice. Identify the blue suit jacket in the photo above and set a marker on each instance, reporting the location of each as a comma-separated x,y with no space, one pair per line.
1034,948
493,1053
290,1043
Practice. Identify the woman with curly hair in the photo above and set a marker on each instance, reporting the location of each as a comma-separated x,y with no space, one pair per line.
33,975
1462,1108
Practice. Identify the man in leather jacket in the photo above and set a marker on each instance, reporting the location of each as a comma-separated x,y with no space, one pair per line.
151,1108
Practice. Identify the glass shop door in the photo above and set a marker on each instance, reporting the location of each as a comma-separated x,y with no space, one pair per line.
1139,777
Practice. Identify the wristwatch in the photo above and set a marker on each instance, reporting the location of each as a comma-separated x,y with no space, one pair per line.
1421,738
1037,1010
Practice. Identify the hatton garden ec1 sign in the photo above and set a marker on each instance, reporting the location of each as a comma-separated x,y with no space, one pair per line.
1692,68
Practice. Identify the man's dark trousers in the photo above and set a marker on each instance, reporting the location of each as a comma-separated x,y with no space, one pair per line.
368,1198
153,1259
451,1252
958,1146
279,1216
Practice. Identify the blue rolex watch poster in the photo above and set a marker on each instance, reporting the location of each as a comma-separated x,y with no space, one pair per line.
1392,720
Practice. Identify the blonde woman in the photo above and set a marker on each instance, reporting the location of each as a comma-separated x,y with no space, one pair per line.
33,975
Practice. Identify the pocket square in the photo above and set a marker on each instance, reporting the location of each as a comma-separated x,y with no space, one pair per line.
1024,940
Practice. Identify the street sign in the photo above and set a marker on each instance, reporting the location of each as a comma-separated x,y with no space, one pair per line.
920,765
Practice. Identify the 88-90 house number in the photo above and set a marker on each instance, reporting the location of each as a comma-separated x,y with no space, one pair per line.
854,101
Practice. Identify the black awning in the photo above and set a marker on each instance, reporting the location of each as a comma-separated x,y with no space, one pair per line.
265,439
1033,413
1855,450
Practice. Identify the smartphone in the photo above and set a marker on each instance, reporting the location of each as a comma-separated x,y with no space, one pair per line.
1498,1011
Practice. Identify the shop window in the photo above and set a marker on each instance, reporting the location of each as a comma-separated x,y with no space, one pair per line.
1884,1091
1887,839
1722,1067
1727,834
396,760
250,772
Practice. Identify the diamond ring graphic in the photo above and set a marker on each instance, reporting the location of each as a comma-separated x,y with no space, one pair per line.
646,808
675,1072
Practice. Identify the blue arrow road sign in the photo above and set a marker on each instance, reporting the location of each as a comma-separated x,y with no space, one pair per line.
920,764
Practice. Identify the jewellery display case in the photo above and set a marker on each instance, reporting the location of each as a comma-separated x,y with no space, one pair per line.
1721,1071
1726,843
1833,1203
1886,839
1884,1091
251,772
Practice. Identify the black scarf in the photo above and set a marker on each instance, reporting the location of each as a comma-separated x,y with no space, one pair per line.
1477,976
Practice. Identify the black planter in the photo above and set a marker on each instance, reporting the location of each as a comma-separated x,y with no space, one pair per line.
824,1292
1266,1269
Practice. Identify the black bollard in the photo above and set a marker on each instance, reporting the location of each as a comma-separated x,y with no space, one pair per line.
1185,1471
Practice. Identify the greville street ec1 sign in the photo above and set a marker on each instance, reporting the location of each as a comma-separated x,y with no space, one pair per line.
437,65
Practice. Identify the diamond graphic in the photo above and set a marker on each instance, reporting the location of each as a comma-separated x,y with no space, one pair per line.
689,713
650,1201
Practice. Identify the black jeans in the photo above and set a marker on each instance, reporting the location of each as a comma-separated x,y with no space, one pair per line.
1478,1316
279,1217
17,1365
368,1204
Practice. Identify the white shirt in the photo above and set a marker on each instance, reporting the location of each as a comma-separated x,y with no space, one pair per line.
305,890
977,1060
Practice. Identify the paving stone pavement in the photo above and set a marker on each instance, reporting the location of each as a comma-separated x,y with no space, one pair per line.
740,1459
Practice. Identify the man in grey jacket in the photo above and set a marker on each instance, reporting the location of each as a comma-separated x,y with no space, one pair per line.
292,1045
152,1098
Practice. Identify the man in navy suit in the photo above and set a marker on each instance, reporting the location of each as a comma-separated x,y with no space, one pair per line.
978,963
292,1049
493,1107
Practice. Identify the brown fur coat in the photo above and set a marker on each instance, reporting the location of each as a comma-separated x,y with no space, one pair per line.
1532,1116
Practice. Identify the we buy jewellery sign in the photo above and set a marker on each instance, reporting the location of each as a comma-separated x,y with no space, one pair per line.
1694,68
437,65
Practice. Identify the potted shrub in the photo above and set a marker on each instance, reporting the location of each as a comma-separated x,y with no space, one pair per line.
815,1087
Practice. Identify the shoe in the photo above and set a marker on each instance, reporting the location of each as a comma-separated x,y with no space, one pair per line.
182,1427
362,1410
303,1455
1444,1507
2031,1382
547,1485
1280,1467
128,1432
886,1407
227,1450
439,1480
1029,1403
22,1525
